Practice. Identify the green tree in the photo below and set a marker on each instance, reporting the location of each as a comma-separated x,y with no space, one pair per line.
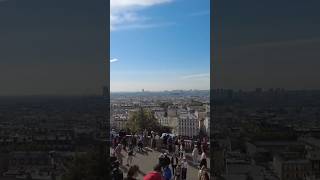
88,166
143,119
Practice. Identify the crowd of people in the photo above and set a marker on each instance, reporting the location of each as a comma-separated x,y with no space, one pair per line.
172,164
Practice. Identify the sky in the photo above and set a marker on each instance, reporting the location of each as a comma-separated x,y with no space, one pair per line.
59,46
52,47
268,44
159,45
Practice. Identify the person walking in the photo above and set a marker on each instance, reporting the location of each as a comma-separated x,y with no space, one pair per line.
184,168
132,173
195,154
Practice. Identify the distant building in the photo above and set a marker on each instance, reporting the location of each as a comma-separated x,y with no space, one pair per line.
188,125
290,166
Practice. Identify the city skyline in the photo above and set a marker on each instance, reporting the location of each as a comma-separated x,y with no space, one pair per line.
160,45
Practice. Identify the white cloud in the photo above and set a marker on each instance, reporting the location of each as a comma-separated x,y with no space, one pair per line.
143,26
125,13
114,60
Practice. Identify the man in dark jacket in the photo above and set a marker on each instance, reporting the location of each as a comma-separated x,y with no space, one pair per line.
166,160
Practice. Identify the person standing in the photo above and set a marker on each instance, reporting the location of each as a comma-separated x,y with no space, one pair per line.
134,140
203,159
124,143
161,160
116,173
157,139
156,174
140,144
203,173
177,174
118,153
166,159
132,173
199,145
167,173
152,140
195,154
174,162
181,151
170,144
184,168
130,157
177,151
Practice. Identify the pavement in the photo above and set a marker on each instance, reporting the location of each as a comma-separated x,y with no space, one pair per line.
147,159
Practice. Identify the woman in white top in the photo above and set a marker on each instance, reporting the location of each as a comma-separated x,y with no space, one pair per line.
195,154
203,159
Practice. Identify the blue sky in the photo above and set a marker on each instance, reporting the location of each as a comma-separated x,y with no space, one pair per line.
160,45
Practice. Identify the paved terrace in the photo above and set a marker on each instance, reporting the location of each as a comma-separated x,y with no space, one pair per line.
149,158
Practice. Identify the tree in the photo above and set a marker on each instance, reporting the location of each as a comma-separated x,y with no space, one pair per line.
143,119
87,167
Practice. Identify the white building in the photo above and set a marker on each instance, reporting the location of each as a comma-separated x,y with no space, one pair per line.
160,116
119,122
187,125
